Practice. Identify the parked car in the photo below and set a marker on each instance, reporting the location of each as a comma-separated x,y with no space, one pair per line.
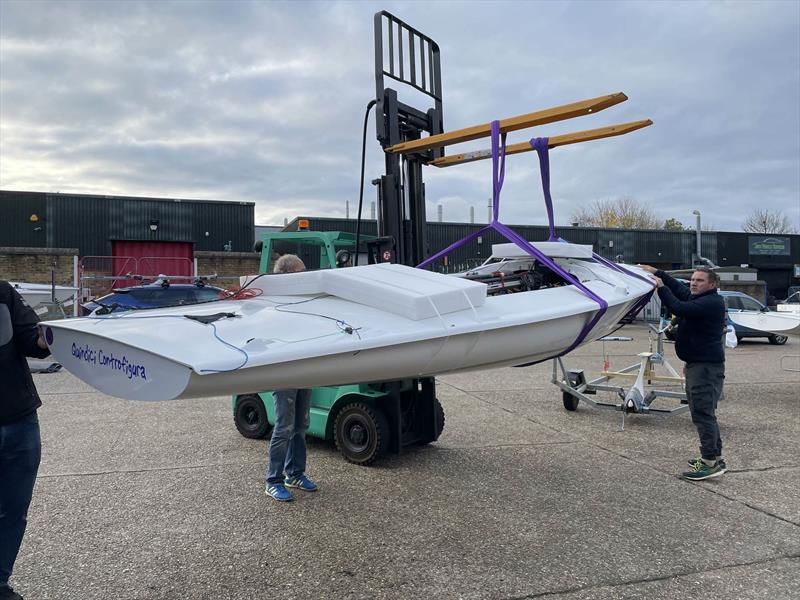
154,295
740,302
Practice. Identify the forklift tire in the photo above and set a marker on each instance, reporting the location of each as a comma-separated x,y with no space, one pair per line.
440,422
250,417
570,401
777,340
361,433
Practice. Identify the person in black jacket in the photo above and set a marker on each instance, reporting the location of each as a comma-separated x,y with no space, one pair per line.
20,443
700,327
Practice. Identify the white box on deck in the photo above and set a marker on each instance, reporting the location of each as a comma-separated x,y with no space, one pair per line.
412,293
551,249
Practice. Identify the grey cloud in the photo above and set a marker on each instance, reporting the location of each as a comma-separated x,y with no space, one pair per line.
264,101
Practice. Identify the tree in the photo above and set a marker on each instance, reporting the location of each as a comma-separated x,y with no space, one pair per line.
673,225
621,213
764,220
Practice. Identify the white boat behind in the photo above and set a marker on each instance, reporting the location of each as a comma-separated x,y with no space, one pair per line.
36,293
790,305
779,323
355,325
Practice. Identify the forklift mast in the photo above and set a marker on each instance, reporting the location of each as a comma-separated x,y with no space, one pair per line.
404,55
408,57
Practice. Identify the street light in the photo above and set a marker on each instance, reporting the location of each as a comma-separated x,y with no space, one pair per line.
153,225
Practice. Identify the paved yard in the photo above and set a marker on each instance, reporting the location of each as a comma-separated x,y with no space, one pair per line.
518,499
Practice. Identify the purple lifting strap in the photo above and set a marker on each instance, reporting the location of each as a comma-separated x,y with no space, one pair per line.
498,174
542,149
540,145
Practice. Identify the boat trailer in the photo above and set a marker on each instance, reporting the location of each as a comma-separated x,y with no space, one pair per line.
635,399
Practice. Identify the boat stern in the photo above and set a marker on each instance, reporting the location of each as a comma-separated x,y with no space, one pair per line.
114,368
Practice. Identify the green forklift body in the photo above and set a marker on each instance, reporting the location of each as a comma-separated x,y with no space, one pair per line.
325,401
364,420
325,243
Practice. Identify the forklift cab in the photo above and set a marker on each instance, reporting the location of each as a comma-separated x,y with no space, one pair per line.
317,249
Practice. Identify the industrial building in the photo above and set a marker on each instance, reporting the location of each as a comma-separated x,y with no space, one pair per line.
138,228
124,225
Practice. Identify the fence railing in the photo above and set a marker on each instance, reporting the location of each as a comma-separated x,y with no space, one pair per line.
98,275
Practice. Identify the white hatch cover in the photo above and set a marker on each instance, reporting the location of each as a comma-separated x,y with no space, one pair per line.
551,249
412,293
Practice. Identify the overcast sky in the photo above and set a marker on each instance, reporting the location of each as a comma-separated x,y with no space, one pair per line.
264,102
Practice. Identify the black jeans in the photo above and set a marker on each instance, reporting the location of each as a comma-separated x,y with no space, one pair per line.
703,390
20,453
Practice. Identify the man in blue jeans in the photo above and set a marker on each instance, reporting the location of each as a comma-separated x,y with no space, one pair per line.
287,448
700,313
20,443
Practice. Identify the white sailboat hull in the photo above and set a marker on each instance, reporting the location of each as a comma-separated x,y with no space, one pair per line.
280,341
783,323
36,293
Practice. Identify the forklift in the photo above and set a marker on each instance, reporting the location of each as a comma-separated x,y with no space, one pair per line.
368,420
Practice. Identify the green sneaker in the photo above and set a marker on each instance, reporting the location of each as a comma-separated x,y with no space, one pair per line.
701,470
721,462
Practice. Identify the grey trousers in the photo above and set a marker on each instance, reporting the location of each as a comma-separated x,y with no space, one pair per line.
703,390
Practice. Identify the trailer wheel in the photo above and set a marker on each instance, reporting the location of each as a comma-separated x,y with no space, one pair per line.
777,340
570,401
250,417
361,433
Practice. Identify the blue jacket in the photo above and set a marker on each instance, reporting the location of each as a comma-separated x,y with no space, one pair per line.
701,321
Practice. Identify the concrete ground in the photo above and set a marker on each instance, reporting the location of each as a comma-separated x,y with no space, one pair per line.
518,499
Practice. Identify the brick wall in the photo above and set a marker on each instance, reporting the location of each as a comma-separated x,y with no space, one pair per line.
34,265
228,266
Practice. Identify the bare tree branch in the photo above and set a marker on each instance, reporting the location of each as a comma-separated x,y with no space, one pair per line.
622,213
764,220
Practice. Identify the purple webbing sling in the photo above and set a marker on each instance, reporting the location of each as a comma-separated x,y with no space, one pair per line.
542,149
498,174
540,145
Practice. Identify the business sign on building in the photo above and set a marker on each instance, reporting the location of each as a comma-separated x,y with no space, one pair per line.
769,245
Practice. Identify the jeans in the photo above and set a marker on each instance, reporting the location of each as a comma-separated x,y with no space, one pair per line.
703,390
287,448
20,453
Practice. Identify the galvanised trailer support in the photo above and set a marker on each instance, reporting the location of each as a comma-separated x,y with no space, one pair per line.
635,399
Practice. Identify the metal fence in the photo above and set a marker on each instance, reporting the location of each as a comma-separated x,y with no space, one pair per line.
99,275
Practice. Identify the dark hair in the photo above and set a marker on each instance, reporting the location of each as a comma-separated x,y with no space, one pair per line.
712,275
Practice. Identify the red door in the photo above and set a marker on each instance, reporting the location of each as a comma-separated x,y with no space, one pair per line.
156,258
